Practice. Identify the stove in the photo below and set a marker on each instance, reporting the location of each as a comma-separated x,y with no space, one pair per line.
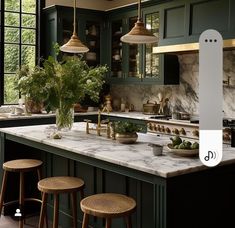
164,125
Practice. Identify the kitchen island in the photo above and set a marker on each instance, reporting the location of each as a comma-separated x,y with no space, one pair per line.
170,191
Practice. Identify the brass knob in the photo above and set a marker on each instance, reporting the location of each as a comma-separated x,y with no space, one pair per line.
168,130
176,131
150,127
182,131
158,128
195,133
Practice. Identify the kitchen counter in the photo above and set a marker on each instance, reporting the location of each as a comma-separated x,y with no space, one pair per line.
164,187
137,156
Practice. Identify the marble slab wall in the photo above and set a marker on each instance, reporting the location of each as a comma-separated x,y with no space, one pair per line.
183,97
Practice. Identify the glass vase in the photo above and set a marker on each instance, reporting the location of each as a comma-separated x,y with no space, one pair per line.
64,118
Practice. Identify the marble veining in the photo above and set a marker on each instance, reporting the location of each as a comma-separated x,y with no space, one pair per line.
137,156
183,97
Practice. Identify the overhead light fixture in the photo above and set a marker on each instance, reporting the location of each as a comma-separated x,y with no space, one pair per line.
139,34
74,45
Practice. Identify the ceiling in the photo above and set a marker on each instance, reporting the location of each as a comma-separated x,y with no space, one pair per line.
92,4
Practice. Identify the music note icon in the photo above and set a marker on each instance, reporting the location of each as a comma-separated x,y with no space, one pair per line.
210,155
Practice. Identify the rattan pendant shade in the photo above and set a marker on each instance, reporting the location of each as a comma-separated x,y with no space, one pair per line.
139,34
74,45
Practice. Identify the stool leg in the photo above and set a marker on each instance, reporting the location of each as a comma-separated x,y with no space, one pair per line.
85,220
4,185
56,211
21,201
128,222
108,223
39,172
43,210
74,208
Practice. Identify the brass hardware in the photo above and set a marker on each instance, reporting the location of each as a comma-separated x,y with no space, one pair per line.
191,47
87,125
99,128
182,131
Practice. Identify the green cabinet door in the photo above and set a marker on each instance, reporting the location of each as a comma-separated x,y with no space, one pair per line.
59,29
183,21
137,64
118,52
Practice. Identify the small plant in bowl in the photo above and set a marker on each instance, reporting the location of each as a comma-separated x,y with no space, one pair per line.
125,131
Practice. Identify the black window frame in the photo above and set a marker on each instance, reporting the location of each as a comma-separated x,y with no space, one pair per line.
40,4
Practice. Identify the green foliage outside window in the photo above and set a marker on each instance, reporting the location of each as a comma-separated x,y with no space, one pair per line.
19,43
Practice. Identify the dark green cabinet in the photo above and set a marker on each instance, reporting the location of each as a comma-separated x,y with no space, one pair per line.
117,56
174,22
137,64
184,21
90,26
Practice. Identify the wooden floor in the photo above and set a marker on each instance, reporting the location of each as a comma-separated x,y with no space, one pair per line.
9,222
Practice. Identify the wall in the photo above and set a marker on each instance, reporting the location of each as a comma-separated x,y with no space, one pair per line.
183,97
92,4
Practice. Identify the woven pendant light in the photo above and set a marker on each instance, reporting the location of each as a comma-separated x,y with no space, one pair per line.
139,34
74,45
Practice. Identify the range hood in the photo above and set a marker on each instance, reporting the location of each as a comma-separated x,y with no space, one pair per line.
187,48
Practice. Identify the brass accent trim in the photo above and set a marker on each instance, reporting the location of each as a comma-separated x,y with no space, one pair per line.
190,47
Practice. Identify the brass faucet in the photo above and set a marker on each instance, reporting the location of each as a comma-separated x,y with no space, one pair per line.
99,128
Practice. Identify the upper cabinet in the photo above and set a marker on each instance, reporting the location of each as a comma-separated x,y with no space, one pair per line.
59,28
132,63
184,21
93,42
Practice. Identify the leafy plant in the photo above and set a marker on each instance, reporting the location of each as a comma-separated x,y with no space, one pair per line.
126,127
61,84
70,80
32,83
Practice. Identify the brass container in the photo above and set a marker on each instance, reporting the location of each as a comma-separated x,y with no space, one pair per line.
150,108
126,138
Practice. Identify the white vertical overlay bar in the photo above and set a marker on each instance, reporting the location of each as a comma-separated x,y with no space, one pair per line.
210,97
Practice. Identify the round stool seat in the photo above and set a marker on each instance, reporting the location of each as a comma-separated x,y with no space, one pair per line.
21,165
62,184
108,205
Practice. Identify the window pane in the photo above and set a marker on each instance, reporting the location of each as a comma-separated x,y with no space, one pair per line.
12,19
11,58
11,95
28,55
28,21
29,6
12,5
28,36
12,35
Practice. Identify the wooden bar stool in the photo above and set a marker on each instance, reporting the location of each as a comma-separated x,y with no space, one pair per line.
19,166
56,186
108,206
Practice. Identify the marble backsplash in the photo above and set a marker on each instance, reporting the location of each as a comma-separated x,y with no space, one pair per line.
182,97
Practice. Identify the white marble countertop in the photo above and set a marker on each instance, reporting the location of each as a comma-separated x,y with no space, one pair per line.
137,156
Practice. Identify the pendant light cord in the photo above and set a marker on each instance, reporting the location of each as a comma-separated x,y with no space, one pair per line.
74,18
139,17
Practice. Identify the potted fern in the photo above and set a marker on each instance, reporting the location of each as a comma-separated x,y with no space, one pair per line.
31,85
